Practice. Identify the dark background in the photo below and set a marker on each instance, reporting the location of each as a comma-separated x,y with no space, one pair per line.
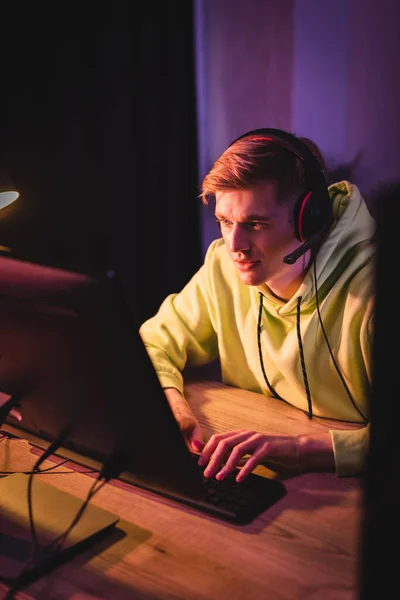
110,114
98,133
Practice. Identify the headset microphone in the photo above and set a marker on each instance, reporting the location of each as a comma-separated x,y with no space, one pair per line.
312,217
291,258
312,211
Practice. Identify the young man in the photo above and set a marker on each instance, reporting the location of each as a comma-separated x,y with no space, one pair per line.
284,299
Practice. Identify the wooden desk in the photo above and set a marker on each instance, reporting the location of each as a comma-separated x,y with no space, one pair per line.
306,547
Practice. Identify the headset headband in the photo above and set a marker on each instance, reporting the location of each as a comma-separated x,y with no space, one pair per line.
312,214
313,170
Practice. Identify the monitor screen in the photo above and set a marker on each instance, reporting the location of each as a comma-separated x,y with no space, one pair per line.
74,362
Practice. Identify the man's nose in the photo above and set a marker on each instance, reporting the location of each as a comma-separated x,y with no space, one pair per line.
239,239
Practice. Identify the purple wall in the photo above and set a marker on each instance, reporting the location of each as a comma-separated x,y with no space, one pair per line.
244,76
328,70
320,66
373,124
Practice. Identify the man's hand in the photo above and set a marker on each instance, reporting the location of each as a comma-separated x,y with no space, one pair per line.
225,451
5,400
187,422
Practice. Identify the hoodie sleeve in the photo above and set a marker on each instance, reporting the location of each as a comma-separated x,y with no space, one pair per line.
351,447
351,450
181,333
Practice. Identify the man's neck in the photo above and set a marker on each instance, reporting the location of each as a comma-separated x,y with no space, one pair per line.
284,287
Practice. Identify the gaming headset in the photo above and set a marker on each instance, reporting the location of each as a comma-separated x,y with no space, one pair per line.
312,215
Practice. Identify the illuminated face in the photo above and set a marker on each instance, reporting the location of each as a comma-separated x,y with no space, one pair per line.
258,232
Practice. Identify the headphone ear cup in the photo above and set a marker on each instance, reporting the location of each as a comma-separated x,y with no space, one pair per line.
313,211
309,219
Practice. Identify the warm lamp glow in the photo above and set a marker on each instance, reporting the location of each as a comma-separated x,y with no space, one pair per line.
8,193
7,198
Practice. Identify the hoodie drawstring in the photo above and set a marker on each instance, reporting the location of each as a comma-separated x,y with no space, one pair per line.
302,361
301,352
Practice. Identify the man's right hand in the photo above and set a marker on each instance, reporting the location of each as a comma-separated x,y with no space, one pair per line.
186,420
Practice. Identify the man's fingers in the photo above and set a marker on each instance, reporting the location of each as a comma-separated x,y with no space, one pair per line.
219,440
192,433
16,414
221,452
251,464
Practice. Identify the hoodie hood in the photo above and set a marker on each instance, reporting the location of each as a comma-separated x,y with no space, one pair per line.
316,358
349,237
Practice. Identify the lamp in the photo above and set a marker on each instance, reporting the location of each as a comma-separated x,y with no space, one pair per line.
8,193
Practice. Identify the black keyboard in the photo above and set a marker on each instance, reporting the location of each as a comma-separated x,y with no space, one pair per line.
240,502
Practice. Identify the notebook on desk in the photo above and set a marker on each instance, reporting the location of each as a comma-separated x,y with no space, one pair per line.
72,357
54,512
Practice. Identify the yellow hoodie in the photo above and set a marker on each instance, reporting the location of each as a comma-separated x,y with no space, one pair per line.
216,316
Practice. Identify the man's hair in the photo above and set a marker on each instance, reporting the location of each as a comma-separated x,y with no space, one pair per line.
251,160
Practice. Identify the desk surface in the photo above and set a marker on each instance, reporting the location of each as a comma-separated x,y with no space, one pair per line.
305,547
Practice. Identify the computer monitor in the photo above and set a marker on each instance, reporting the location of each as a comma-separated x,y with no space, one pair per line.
72,358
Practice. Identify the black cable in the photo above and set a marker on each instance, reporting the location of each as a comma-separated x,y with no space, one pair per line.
15,581
38,555
271,389
301,352
55,547
302,360
346,387
61,539
46,471
52,448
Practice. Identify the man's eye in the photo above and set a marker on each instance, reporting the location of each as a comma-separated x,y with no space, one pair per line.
255,225
224,222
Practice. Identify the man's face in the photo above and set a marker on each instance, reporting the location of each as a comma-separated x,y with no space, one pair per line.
257,231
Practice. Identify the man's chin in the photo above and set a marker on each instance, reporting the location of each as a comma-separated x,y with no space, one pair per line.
252,279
